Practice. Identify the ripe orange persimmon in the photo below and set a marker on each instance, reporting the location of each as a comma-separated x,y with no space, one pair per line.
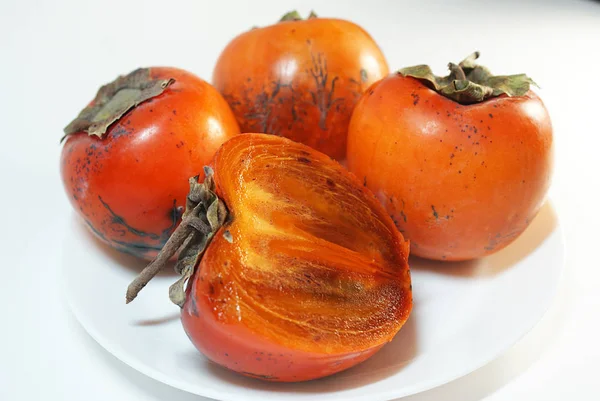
304,274
461,163
299,79
127,156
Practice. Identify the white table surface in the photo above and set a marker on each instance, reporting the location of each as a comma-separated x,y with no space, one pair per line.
54,54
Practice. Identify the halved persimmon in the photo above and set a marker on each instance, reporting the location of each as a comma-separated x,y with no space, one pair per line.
295,270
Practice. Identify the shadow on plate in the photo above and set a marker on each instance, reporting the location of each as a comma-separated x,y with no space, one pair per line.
153,389
171,317
539,229
493,376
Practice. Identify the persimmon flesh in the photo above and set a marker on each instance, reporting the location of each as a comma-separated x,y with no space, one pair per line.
307,276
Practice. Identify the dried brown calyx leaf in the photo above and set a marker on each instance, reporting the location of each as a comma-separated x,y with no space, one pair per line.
115,99
469,82
295,16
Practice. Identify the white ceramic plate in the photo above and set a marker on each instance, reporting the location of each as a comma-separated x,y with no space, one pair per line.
464,316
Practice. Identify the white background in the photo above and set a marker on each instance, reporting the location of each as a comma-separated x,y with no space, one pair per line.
54,55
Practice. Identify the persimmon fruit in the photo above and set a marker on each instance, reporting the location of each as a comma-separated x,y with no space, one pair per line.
300,78
294,271
462,163
127,156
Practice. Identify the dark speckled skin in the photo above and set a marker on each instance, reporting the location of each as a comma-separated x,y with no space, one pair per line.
300,79
460,181
130,185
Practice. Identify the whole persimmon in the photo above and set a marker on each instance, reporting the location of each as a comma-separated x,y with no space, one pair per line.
300,79
128,154
462,163
295,270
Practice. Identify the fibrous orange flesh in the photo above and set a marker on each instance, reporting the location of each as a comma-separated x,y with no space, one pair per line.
315,263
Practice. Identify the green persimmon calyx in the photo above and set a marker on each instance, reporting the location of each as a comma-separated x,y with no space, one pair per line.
469,82
115,99
295,16
204,215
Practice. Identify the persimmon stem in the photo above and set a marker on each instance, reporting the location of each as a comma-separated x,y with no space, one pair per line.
187,225
204,214
457,71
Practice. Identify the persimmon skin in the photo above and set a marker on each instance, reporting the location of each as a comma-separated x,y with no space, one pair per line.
460,181
308,286
130,185
236,347
300,79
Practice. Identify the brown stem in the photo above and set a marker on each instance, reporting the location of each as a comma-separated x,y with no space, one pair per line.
204,214
159,263
188,224
457,72
470,61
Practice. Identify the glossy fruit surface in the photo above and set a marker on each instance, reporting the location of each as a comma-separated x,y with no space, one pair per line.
461,181
300,79
129,183
308,275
